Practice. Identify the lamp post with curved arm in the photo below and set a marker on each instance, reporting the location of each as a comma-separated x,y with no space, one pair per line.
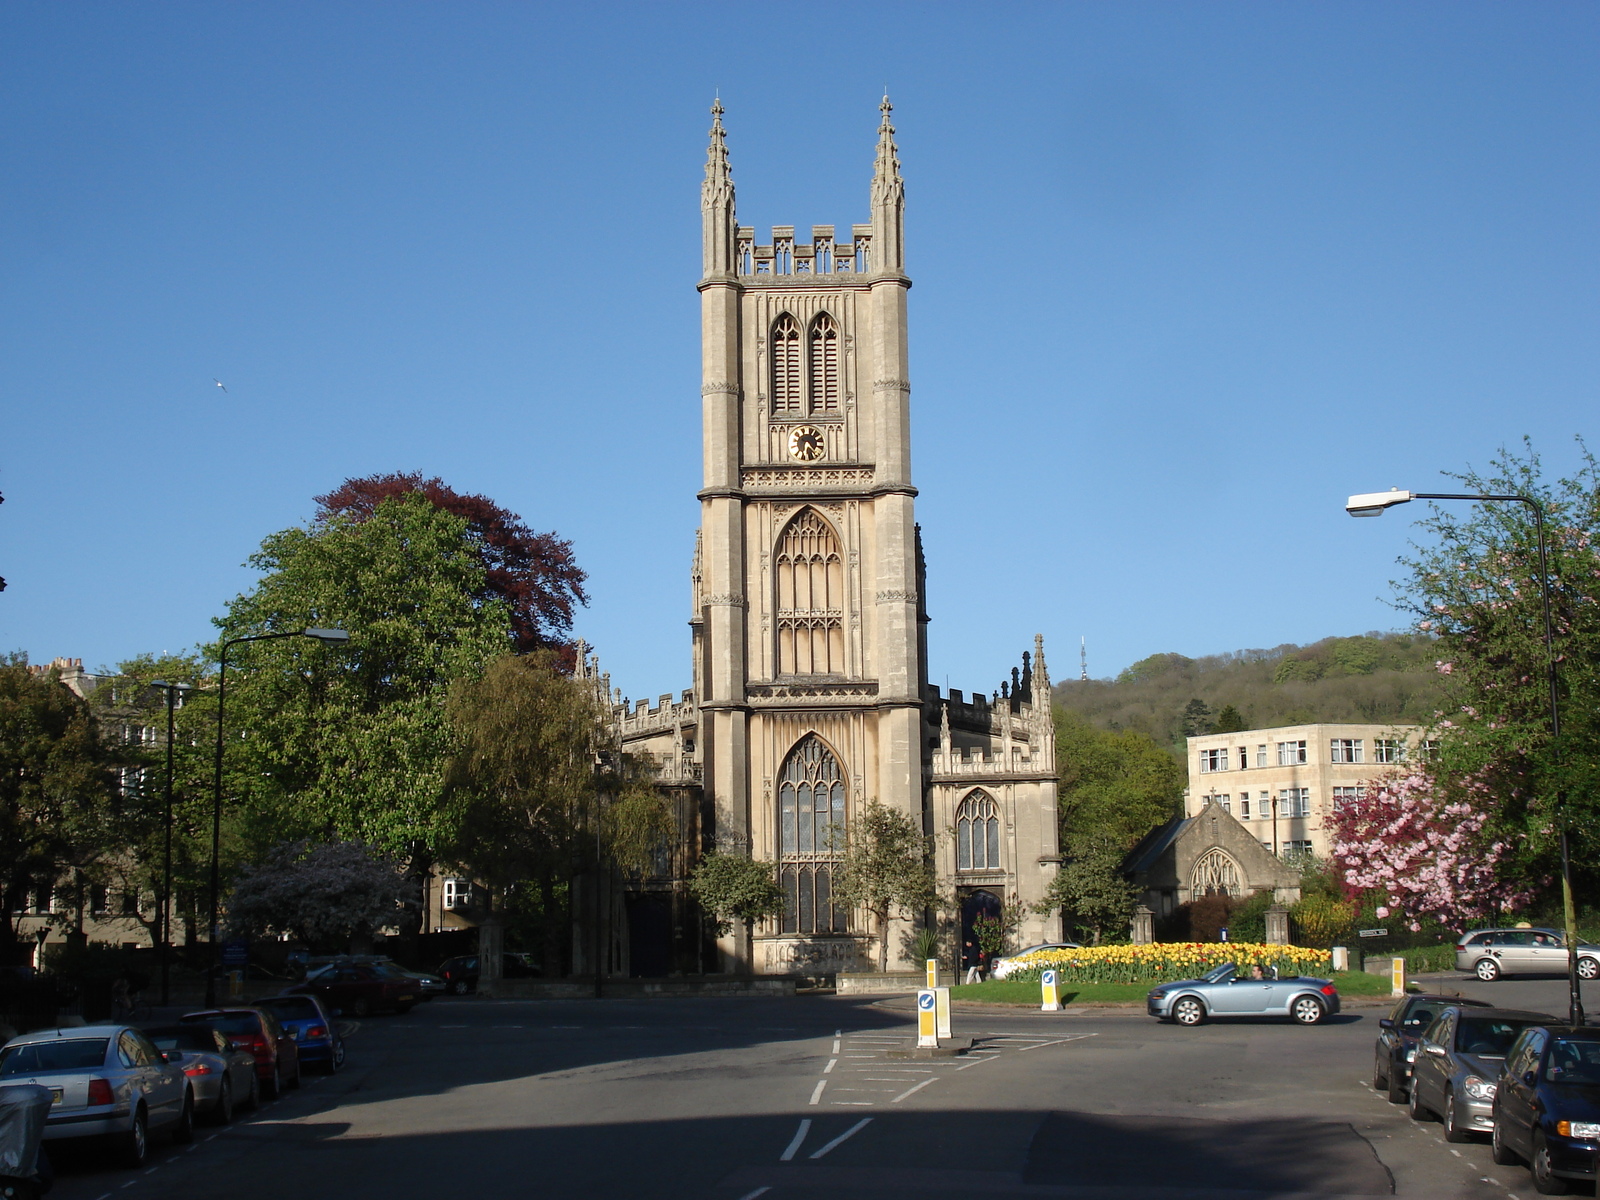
1374,504
164,921
328,637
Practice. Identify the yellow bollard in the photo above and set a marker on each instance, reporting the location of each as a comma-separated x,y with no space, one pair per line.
941,1011
927,1018
933,972
1397,976
1052,991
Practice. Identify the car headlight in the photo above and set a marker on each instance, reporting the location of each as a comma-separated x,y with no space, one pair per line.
1578,1129
1158,994
1411,1055
1478,1089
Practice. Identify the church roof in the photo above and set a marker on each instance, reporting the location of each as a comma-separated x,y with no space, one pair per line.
1153,845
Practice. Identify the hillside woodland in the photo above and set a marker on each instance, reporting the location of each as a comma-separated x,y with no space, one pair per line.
1168,697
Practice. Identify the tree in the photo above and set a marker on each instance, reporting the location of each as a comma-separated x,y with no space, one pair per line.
534,575
57,786
1477,589
885,867
1196,718
1090,890
1113,785
352,744
1229,720
734,887
1430,857
330,896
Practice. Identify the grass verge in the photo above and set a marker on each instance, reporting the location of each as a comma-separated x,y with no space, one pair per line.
1006,991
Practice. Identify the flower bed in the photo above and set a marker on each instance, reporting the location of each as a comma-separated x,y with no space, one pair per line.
1162,962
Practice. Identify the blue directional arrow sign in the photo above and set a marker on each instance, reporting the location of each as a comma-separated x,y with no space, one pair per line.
925,1000
1049,979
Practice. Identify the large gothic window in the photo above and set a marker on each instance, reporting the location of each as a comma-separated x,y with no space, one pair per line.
1216,874
810,583
786,397
824,365
977,833
811,822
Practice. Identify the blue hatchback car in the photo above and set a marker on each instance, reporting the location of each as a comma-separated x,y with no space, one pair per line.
315,1035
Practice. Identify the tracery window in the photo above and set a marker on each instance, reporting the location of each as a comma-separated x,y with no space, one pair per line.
824,365
786,397
810,585
811,824
1216,874
977,833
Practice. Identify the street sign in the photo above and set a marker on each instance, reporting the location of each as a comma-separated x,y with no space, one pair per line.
1374,933
236,952
1052,991
927,1018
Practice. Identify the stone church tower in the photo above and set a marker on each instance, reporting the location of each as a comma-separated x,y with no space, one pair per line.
811,693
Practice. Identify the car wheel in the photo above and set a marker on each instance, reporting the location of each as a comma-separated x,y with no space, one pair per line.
294,1080
1545,1182
274,1086
1453,1131
253,1100
458,987
1380,1077
401,1010
1307,1010
224,1109
1502,1154
336,1057
135,1144
183,1131
1397,1086
1188,1011
1414,1105
1487,970
1588,968
360,1007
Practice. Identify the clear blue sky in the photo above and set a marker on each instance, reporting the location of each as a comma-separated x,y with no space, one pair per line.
1186,275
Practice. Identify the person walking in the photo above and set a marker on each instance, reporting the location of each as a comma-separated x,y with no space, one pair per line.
974,958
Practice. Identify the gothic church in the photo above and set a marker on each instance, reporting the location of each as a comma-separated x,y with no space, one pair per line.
810,688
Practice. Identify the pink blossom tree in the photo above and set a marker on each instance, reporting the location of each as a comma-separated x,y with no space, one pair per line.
326,895
1425,855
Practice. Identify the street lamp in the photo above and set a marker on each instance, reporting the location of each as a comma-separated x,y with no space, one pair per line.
1374,504
164,924
328,637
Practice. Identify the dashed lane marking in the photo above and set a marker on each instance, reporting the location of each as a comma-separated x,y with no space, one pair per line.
832,1062
760,1191
816,1096
843,1137
798,1140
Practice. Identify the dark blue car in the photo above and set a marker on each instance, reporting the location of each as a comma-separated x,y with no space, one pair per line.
1547,1106
315,1035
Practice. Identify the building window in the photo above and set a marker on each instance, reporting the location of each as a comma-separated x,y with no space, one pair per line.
811,820
1297,849
824,365
1261,756
810,582
457,894
130,904
1428,750
977,834
1341,794
1213,760
1244,759
1294,802
1388,750
1244,806
1226,801
1291,753
785,353
99,899
1347,750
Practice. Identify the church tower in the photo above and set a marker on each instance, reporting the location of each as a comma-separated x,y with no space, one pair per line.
810,659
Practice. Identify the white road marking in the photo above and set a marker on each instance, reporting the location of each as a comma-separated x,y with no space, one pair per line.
830,1066
845,1136
817,1095
1077,1037
918,1088
1457,1153
835,1045
851,1103
799,1138
760,1191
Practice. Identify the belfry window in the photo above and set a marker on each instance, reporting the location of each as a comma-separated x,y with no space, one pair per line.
824,365
977,833
811,824
786,397
810,582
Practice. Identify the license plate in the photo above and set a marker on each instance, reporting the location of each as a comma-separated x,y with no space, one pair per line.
405,999
55,1095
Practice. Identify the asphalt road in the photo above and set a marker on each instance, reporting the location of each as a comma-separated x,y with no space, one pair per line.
733,1099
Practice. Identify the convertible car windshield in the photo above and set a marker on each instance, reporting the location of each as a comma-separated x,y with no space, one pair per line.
1220,974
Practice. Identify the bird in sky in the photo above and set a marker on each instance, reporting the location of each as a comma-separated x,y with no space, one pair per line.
219,383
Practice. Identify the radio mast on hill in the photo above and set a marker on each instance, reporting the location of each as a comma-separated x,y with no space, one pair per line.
1083,659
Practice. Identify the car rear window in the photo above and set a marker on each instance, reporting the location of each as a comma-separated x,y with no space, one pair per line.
233,1023
293,1008
1489,1036
184,1037
65,1054
1575,1061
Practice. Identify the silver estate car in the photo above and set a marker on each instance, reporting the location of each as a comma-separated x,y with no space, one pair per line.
108,1081
1457,1066
1491,953
221,1076
1224,992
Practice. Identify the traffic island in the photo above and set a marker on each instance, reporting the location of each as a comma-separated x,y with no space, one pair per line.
947,1048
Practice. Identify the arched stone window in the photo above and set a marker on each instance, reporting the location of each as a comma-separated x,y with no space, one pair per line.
824,365
811,823
1216,874
809,574
785,348
977,833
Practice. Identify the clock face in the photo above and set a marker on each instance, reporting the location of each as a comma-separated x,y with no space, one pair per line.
806,443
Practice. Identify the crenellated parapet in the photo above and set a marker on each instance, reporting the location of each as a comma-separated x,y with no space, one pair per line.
823,255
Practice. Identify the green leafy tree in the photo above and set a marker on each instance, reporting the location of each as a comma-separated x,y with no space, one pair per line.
1476,588
1115,786
1196,718
353,743
885,869
1090,891
1229,720
58,786
734,887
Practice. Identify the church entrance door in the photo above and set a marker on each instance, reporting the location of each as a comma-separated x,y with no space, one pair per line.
975,903
649,935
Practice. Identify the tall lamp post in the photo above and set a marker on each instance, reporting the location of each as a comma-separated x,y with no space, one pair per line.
328,637
1374,504
164,924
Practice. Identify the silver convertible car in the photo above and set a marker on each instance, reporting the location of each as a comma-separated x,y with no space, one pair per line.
1224,992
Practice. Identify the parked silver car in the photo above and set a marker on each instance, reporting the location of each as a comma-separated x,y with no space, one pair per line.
1491,953
108,1081
221,1076
1224,992
1457,1065
1000,968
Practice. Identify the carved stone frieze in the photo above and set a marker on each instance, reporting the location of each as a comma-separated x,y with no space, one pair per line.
727,600
888,596
720,389
823,691
807,477
891,385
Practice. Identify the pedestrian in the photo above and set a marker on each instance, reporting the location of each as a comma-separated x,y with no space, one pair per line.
974,958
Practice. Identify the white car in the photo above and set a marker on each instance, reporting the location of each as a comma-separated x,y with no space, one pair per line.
108,1081
1002,967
